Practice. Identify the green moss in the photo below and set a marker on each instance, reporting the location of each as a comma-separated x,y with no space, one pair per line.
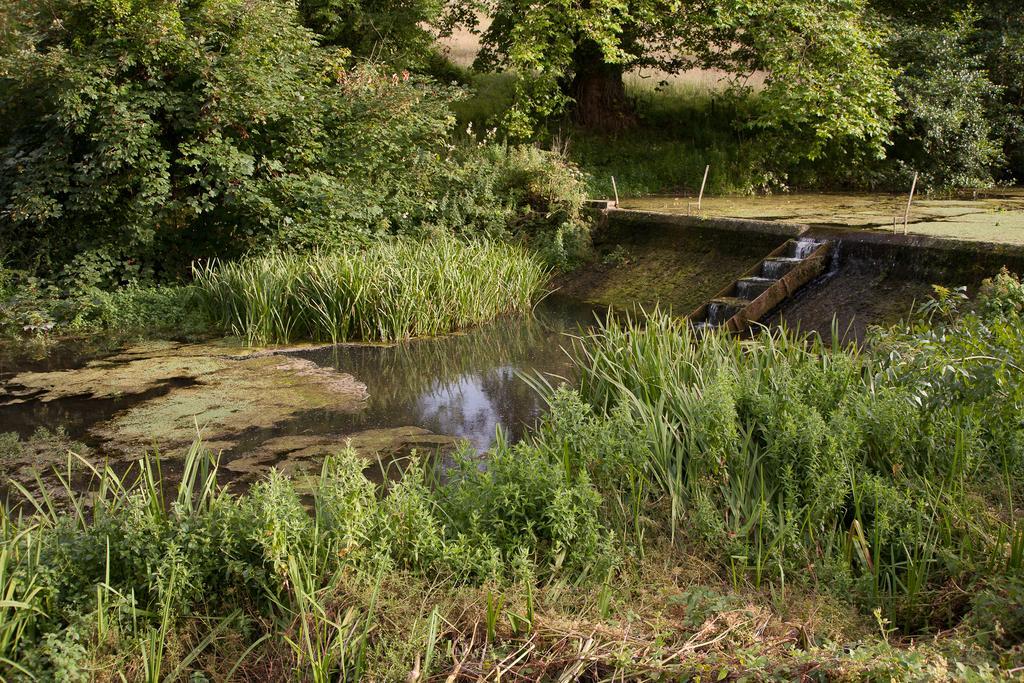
675,268
994,219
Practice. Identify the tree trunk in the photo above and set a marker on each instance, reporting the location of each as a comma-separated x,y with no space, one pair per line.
599,91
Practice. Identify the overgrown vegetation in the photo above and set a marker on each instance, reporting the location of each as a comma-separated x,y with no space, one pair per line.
698,507
389,291
891,475
898,88
138,138
33,307
784,473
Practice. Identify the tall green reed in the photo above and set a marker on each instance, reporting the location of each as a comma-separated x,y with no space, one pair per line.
783,453
392,290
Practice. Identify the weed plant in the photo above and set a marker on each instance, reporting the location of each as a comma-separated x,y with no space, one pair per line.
389,291
112,574
890,475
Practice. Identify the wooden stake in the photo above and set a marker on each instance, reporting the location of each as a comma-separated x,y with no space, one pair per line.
906,215
615,189
700,197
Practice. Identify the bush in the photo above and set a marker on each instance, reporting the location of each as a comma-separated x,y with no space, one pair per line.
944,130
884,473
33,307
142,558
136,138
532,510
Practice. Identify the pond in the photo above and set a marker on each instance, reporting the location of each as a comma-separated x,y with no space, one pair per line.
288,408
996,216
466,385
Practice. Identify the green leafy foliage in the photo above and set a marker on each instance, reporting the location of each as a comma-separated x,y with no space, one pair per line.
825,80
145,558
885,475
139,136
392,31
33,307
945,130
825,83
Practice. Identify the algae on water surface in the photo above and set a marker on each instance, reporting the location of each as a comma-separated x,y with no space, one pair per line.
217,391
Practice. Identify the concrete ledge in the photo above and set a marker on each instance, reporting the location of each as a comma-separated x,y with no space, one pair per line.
930,259
617,217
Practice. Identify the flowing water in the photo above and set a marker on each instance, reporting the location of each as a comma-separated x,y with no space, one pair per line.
802,248
721,310
774,268
750,288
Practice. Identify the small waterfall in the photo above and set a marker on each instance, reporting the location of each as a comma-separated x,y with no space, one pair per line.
750,288
774,268
719,312
802,248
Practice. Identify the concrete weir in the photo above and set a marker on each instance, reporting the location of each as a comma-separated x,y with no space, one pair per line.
759,290
867,276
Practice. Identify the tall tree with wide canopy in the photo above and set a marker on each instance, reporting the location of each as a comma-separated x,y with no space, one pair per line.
819,58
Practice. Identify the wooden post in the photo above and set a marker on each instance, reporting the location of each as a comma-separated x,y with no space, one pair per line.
615,189
704,182
906,215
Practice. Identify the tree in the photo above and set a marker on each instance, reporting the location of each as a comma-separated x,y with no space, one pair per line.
394,31
961,85
945,128
136,136
1000,46
822,71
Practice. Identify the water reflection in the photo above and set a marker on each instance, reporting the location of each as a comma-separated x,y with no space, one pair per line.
466,385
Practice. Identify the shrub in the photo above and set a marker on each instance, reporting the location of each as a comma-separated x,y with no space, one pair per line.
944,130
34,307
136,138
528,506
144,557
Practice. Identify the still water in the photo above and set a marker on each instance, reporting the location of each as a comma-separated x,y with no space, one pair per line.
466,385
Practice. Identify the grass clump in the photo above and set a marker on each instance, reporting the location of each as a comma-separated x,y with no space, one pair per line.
389,291
507,569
